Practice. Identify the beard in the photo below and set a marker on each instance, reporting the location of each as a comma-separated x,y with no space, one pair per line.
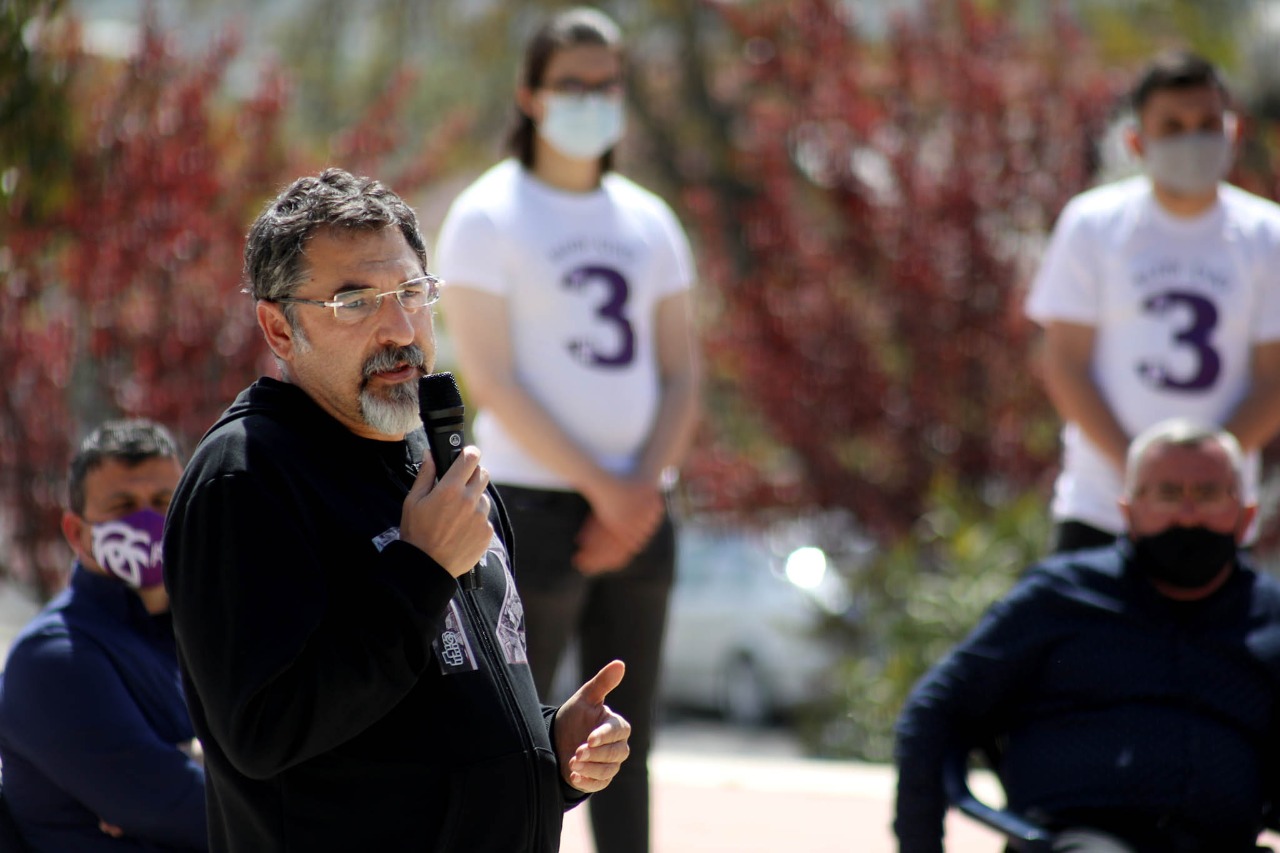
392,410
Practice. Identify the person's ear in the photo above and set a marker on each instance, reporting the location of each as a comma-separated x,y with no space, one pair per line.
1133,139
73,529
1231,125
528,103
1126,512
1247,515
276,329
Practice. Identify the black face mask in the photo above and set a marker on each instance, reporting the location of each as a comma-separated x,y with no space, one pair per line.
1185,557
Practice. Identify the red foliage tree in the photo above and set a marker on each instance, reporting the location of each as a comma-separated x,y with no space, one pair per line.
867,235
123,298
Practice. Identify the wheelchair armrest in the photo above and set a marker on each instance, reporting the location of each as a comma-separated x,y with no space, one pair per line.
1271,818
11,840
1023,834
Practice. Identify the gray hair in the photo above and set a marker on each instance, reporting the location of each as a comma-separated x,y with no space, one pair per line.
1180,432
273,254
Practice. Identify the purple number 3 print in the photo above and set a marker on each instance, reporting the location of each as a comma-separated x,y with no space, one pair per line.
610,311
1204,318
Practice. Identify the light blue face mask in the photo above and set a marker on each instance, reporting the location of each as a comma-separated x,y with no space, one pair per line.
1188,163
583,127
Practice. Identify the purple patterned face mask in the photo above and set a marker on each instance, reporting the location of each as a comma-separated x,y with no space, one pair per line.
129,548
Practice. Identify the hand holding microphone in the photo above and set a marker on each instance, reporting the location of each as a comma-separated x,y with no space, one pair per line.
446,512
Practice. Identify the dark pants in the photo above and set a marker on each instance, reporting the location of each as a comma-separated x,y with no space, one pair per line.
618,615
1077,536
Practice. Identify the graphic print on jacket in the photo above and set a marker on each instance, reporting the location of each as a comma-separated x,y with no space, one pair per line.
454,648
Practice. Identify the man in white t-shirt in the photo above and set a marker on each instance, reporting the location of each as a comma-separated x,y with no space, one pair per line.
1159,296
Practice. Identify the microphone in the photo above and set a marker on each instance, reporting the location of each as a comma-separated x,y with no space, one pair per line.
440,405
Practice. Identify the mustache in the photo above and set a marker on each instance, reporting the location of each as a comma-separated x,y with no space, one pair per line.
392,358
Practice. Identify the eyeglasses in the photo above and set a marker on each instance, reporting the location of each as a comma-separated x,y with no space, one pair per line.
577,88
356,306
1170,497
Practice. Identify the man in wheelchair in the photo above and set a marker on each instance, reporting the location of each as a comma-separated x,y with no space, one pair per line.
1134,689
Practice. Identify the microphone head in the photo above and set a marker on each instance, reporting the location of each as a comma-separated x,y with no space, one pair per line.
438,391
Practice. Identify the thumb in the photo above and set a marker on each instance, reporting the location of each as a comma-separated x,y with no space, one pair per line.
595,690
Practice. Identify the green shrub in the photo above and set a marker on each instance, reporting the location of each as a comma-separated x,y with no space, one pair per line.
914,601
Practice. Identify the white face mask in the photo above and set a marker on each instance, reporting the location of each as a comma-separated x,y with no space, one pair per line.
582,127
1188,163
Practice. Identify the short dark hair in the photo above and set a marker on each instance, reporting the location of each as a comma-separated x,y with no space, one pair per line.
581,25
1175,69
273,251
129,442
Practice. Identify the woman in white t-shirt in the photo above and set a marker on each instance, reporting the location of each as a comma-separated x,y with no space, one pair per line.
568,302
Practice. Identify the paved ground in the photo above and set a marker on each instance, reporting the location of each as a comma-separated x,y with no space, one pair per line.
719,790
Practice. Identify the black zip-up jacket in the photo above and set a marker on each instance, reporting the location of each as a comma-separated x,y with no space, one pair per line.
348,694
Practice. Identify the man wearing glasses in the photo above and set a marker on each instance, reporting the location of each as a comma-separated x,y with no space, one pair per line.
1136,688
348,693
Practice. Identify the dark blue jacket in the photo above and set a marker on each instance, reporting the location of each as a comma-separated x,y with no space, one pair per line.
1123,710
91,712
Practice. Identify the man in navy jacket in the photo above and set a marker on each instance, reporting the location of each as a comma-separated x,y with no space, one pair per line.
1136,686
95,738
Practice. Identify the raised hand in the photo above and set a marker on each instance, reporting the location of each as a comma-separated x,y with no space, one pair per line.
590,739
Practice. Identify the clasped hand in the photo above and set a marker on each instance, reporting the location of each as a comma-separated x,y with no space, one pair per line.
624,516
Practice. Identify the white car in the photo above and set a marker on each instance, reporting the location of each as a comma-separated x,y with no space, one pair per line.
742,636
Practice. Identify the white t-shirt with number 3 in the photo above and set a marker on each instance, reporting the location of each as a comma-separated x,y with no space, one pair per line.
582,274
1177,305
